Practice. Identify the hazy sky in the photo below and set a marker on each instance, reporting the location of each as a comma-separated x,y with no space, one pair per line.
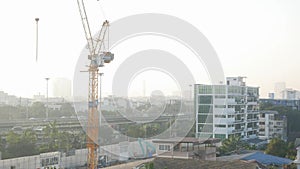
258,39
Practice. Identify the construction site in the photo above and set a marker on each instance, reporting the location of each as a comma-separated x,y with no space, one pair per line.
143,84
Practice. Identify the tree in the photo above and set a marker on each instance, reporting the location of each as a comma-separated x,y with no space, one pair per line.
277,147
233,144
28,143
136,131
291,151
64,141
51,137
2,144
67,110
38,110
19,145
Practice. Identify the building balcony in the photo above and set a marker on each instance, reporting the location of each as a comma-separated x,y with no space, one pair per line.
220,101
252,103
237,130
253,120
252,111
223,120
224,110
223,130
231,101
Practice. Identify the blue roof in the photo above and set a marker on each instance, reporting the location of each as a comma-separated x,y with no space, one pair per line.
267,159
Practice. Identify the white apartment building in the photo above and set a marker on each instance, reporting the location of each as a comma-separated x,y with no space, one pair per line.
226,110
290,94
272,124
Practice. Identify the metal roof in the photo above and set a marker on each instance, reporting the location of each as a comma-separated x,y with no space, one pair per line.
267,159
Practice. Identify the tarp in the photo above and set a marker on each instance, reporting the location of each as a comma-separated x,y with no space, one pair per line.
267,159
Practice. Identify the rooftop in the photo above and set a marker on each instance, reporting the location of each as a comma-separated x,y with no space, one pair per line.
187,140
267,159
161,163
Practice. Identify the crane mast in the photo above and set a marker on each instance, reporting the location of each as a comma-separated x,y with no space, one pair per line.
98,55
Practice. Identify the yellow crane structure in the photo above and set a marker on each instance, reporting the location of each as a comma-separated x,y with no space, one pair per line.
99,54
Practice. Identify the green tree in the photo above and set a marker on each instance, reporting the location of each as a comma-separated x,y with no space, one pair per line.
19,145
12,139
28,142
291,151
136,131
38,110
78,140
2,144
67,110
232,145
51,137
277,147
64,141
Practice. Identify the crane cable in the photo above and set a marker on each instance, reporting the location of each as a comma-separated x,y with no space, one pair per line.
102,11
104,16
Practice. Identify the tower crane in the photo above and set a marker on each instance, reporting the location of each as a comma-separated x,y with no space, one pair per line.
99,54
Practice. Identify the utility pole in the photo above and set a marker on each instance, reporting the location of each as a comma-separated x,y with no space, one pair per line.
100,98
47,113
37,38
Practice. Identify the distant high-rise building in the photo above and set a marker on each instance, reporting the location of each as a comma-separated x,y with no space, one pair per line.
226,110
290,94
279,87
61,87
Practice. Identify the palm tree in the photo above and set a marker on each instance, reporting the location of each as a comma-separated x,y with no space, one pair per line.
50,138
232,145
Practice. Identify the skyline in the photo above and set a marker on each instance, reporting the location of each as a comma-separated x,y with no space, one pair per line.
259,40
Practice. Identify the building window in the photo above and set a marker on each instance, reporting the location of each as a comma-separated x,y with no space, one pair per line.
230,116
220,106
220,116
205,118
205,89
252,91
164,147
205,100
204,135
220,136
231,106
220,96
220,89
237,99
221,125
234,90
205,128
239,108
205,109
230,125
